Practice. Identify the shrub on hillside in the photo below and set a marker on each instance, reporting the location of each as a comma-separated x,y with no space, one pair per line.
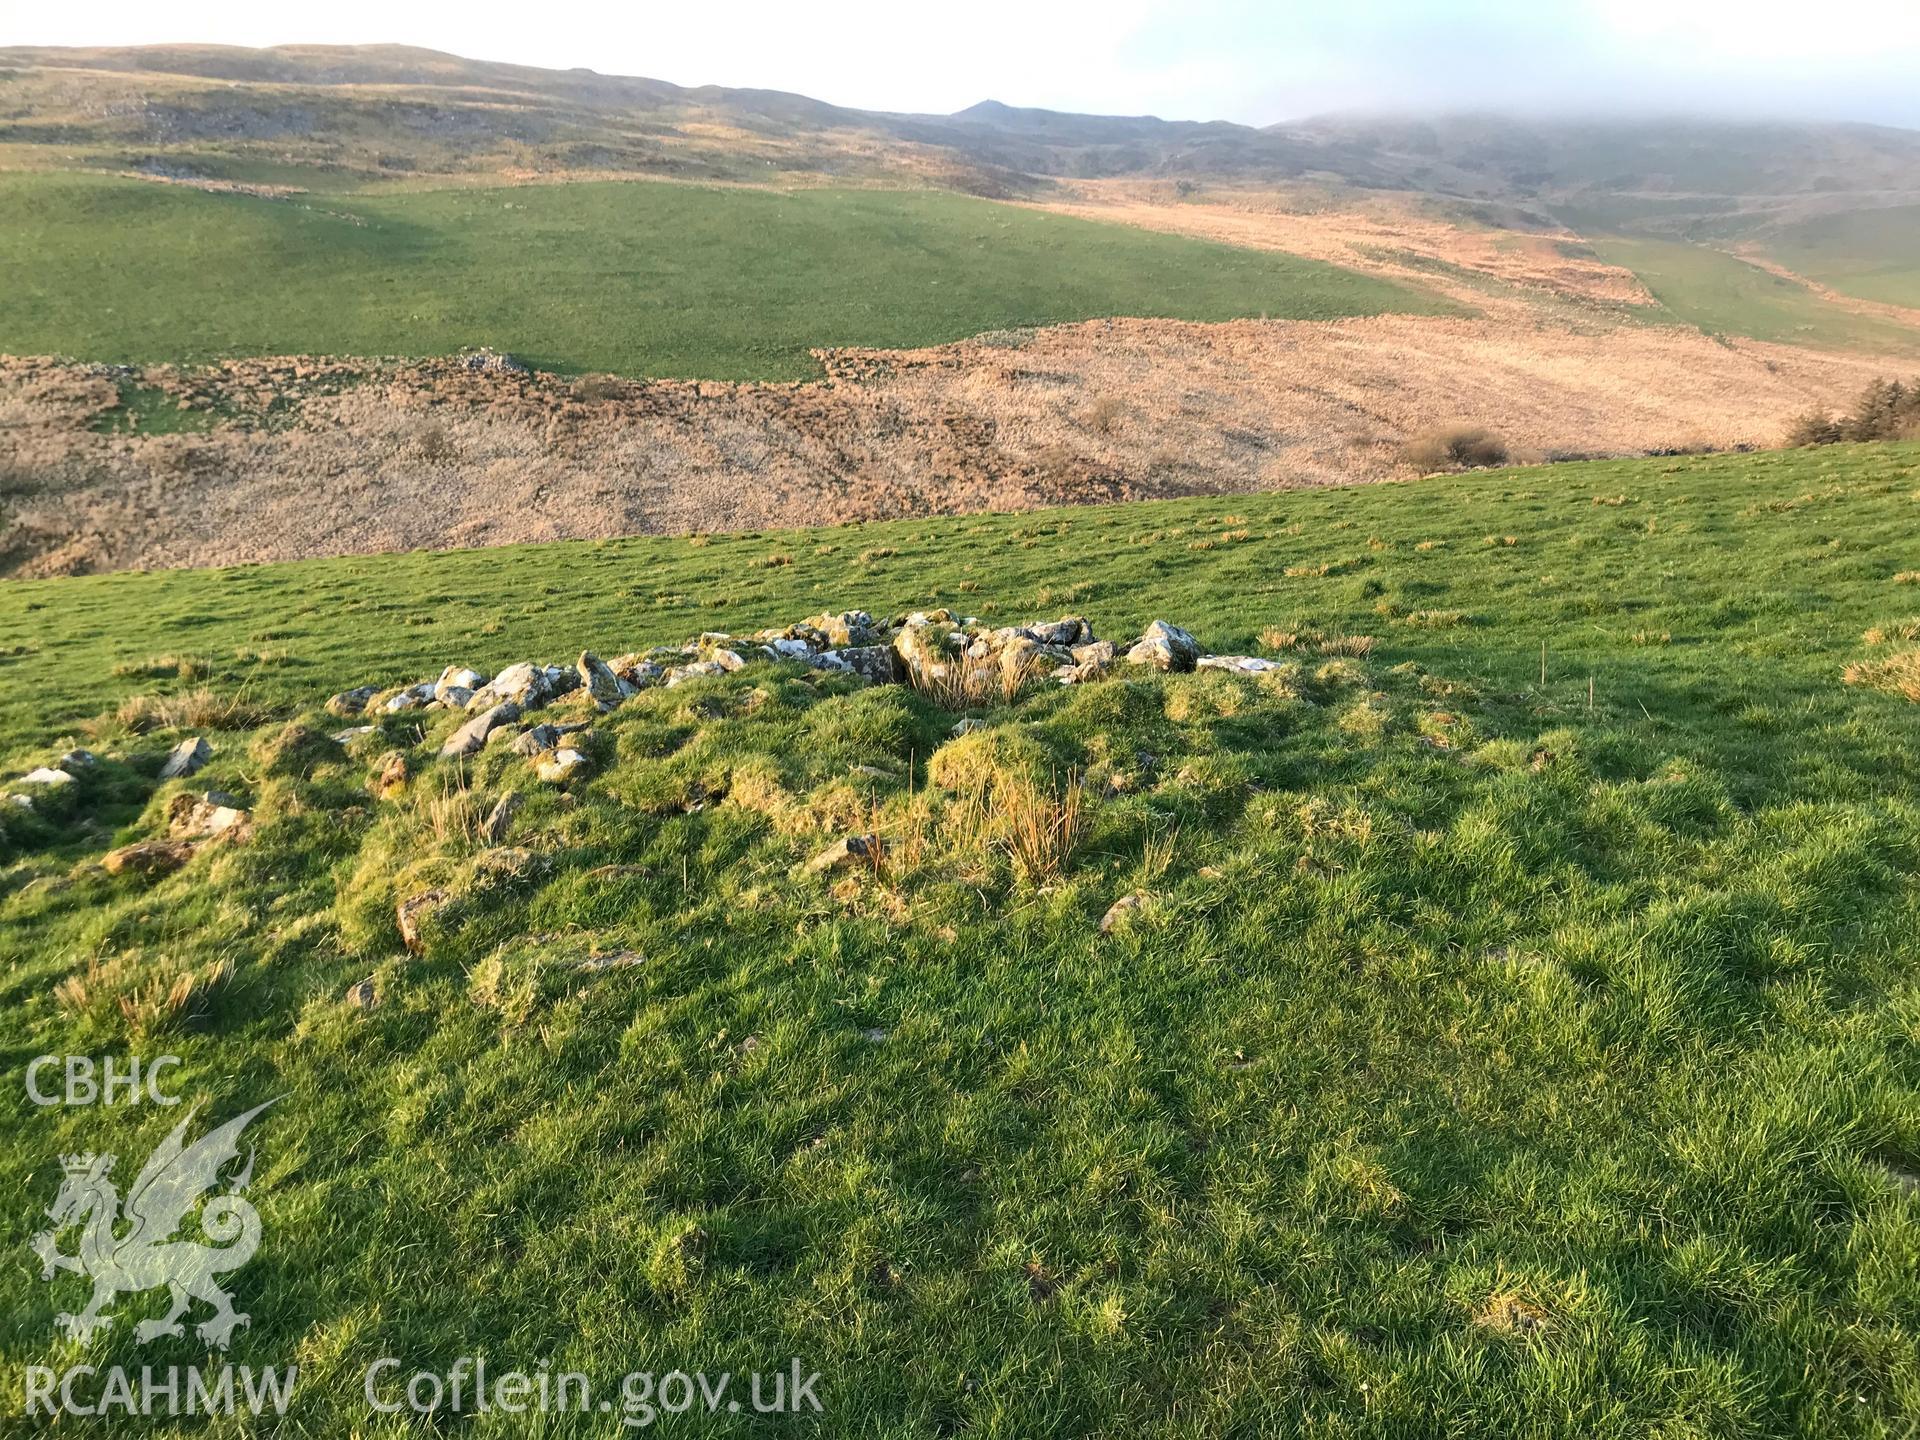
1885,410
1458,447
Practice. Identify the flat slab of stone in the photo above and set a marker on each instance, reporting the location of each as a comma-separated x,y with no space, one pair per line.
186,758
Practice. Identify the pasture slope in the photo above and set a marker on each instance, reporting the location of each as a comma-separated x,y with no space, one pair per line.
1515,1033
661,280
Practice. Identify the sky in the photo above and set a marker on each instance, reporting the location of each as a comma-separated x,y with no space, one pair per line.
1255,61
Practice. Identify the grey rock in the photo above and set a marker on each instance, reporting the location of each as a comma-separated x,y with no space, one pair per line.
850,627
78,760
458,677
524,684
1070,631
600,681
46,775
362,995
352,733
349,703
468,739
1237,664
1165,647
877,663
500,819
696,670
536,741
186,758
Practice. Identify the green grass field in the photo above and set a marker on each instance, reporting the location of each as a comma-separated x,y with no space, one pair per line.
1520,1037
643,279
1874,254
1724,295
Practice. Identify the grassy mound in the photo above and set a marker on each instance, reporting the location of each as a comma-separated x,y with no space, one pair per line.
1510,1024
642,279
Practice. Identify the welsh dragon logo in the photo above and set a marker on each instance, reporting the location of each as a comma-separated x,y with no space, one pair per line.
130,1246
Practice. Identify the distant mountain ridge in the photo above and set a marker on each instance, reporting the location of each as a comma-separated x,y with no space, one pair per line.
396,109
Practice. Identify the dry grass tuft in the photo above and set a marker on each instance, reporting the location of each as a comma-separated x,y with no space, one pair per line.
1898,674
1356,646
967,682
202,709
1907,577
1039,827
1456,447
147,1006
1900,630
456,815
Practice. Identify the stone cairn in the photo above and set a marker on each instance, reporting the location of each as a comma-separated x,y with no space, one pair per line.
935,651
956,658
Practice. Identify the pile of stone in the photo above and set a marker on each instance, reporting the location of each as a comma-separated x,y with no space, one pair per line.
925,649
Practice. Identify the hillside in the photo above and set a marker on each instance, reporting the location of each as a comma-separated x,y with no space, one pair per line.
429,111
666,281
239,280
1491,1012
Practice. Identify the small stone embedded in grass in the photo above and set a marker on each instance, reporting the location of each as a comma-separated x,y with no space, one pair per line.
185,758
213,813
1237,664
410,915
560,766
500,819
612,960
362,995
846,852
1509,1314
1121,913
149,858
46,776
390,774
